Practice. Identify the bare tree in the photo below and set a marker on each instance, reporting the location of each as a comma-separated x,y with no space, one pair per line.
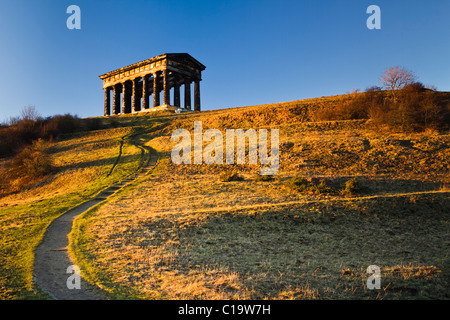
395,78
29,113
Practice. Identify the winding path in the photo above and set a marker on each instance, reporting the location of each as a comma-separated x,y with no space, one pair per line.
51,255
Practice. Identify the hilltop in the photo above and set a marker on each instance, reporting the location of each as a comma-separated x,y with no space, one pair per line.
181,232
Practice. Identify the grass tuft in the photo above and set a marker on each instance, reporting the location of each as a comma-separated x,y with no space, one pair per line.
300,184
230,176
352,187
264,178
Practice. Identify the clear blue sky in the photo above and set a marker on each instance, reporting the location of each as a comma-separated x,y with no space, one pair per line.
255,52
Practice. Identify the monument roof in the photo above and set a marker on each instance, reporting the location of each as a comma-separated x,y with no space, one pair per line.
178,57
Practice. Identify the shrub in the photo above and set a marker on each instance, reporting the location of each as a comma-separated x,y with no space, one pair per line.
374,89
408,108
260,177
352,186
300,184
23,131
9,141
414,86
230,176
297,183
413,109
66,123
32,162
93,124
26,168
352,106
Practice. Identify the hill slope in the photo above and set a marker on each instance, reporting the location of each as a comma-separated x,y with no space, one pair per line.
182,233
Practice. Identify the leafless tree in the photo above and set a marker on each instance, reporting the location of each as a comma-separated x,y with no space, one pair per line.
29,113
395,78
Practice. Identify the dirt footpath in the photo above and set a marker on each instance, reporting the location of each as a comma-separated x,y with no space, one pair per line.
52,260
51,255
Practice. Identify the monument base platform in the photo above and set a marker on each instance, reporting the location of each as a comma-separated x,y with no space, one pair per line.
166,107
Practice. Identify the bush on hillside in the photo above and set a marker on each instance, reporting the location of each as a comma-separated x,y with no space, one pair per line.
230,176
300,184
352,187
24,130
314,185
92,124
27,167
352,106
265,178
412,109
32,162
374,89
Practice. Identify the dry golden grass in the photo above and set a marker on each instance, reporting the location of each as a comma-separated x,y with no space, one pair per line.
288,251
81,166
79,160
182,234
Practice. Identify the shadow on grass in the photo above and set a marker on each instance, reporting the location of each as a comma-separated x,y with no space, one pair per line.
327,245
97,163
56,149
373,186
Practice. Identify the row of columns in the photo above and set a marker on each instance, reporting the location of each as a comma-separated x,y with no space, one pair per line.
131,101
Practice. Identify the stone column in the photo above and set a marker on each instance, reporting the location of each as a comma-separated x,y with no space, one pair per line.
155,90
197,95
107,101
187,94
166,96
138,97
145,96
124,98
116,100
176,93
134,95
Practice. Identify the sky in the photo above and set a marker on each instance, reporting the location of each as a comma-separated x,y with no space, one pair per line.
255,52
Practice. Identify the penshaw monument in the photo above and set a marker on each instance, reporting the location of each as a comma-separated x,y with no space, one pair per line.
130,88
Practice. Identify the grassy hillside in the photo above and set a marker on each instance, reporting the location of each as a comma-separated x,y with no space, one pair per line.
82,168
182,233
